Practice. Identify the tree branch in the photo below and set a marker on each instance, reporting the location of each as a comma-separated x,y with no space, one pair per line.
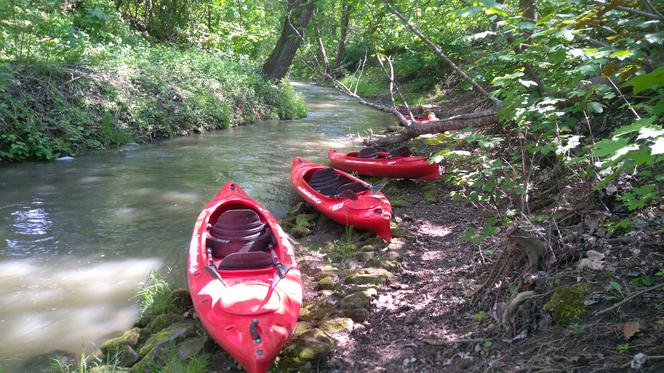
441,54
630,10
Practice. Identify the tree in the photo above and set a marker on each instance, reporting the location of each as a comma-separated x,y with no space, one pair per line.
297,17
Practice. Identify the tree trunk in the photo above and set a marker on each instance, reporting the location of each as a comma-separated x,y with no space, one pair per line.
321,50
343,35
297,17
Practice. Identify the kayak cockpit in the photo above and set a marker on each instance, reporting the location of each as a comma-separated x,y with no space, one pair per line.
330,183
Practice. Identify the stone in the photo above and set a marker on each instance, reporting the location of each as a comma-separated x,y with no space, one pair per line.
181,299
124,355
366,256
400,202
129,338
326,283
174,333
568,303
191,347
311,348
337,325
158,323
373,276
316,310
359,299
356,314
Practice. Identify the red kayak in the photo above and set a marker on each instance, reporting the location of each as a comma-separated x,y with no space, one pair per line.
243,278
342,197
382,164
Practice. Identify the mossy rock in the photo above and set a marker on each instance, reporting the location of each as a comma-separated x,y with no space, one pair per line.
359,299
124,355
371,276
337,325
313,347
300,328
109,369
129,338
356,314
158,323
366,256
326,283
191,347
181,300
567,303
302,224
174,333
316,310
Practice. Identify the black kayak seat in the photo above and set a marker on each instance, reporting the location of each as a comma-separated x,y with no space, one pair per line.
239,231
330,183
249,260
369,152
403,151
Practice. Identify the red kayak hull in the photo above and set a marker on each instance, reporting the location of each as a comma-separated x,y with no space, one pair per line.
405,167
227,309
370,211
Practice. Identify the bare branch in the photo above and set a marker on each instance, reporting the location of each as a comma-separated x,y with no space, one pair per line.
441,54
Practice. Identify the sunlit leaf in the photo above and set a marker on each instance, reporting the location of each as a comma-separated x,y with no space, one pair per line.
622,54
595,107
646,81
634,127
657,147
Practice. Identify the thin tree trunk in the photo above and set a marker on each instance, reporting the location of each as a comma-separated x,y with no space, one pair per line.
298,13
343,35
441,54
321,49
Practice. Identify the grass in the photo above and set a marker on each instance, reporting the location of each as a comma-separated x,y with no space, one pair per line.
77,81
153,296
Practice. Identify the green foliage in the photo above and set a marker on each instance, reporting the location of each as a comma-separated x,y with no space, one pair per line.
153,297
623,348
480,316
567,303
196,364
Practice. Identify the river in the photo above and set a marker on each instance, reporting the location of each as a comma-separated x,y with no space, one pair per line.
78,237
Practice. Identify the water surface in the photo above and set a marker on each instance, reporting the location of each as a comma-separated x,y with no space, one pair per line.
77,237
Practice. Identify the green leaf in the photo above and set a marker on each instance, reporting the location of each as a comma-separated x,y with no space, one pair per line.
634,127
643,82
467,235
622,54
608,147
595,107
658,147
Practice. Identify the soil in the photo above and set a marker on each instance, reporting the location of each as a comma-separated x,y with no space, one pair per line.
434,314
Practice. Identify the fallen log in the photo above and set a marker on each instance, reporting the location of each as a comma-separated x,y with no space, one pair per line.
457,122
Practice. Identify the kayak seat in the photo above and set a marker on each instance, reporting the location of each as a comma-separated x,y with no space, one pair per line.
354,186
238,230
400,152
328,182
369,152
249,260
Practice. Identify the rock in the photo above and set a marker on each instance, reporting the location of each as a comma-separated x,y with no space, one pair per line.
158,323
567,303
181,300
373,276
326,283
124,355
109,369
359,299
316,310
191,347
310,348
129,338
366,256
174,333
44,363
594,261
337,325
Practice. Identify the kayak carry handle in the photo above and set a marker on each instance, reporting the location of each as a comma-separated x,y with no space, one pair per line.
254,332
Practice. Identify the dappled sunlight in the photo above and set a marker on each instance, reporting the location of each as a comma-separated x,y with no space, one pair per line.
63,304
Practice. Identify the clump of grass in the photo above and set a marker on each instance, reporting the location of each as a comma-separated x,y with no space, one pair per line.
154,296
196,364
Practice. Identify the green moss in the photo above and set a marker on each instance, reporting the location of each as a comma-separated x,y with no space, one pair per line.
337,325
567,303
371,275
400,202
326,283
313,346
130,338
431,195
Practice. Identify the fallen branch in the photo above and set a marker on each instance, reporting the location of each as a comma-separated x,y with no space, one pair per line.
514,304
628,299
432,342
457,122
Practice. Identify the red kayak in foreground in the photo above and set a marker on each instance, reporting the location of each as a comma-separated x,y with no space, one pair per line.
244,282
382,164
343,198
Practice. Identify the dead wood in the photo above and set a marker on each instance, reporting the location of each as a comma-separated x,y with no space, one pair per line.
531,247
473,120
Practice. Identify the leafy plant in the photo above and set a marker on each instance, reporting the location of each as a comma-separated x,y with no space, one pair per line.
480,316
623,348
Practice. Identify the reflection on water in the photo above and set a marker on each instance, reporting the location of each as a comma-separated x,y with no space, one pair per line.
128,210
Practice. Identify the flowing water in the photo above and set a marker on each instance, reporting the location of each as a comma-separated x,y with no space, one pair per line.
78,237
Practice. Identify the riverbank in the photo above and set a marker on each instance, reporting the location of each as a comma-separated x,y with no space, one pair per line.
420,302
86,80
